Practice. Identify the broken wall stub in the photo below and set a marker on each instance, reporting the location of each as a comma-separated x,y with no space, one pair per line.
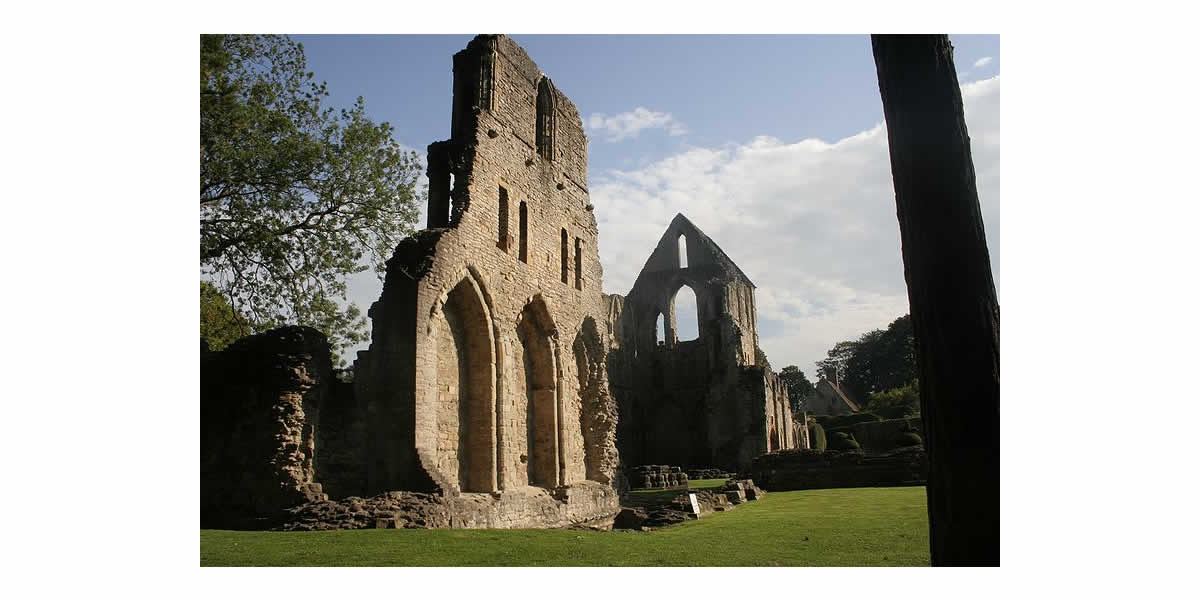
260,406
709,402
486,370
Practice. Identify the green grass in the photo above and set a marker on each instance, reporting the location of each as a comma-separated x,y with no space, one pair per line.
844,527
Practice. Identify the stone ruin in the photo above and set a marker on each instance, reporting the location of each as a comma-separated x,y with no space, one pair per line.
657,476
709,474
709,402
484,399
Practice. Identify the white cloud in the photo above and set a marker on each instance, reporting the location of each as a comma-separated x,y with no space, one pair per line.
982,62
812,223
630,124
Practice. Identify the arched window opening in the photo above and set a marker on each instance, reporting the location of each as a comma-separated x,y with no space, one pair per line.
687,325
682,251
659,329
524,233
578,264
502,227
562,251
545,119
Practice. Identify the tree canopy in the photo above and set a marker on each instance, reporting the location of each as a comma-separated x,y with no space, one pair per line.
799,388
294,196
220,325
878,361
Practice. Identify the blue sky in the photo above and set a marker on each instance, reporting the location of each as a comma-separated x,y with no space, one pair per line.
773,145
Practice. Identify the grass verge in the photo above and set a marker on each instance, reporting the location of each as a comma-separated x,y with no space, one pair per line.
843,527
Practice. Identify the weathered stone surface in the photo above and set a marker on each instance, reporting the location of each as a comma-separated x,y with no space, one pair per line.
658,476
630,518
697,403
260,401
709,473
486,378
589,504
813,469
665,516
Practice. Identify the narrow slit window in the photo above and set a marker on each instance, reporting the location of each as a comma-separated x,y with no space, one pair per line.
659,330
524,233
682,251
545,119
563,255
502,227
487,79
578,264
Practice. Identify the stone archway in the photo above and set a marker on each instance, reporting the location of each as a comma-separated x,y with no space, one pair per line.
465,391
539,382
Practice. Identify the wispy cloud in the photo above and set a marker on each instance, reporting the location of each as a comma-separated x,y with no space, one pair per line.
813,223
982,62
630,124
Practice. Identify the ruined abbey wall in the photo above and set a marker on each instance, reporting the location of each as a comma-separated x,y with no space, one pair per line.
708,402
485,371
500,380
260,406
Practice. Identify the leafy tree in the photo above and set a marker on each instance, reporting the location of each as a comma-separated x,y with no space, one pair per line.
294,196
897,402
220,325
799,388
878,360
834,365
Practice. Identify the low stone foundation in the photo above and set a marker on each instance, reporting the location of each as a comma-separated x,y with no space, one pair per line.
680,508
814,469
709,474
657,476
587,504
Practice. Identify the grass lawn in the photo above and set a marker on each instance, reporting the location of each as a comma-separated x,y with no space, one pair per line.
844,527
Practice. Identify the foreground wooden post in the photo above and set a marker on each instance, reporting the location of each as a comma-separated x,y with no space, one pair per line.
951,295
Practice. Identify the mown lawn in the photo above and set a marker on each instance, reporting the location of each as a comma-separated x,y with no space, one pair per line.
846,527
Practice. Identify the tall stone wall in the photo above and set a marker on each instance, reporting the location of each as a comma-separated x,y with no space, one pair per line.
484,371
708,402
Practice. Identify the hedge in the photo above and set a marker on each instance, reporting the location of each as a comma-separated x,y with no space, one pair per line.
832,422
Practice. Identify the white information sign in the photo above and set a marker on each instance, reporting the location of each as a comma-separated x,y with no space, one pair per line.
695,505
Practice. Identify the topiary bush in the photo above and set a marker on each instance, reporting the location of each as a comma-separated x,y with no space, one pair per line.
816,436
843,441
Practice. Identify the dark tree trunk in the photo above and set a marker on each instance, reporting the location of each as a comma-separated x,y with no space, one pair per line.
956,318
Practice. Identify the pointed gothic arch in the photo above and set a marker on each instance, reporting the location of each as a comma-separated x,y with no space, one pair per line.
464,385
538,362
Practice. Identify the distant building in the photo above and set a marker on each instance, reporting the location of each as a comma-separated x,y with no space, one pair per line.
829,399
